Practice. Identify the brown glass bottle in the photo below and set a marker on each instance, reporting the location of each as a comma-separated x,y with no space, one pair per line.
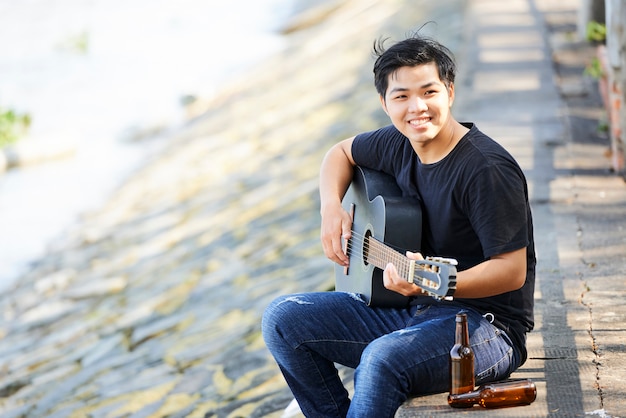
497,395
461,362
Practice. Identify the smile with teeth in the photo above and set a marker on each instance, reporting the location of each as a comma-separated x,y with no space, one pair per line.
419,121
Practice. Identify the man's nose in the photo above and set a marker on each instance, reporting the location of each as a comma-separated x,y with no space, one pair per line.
417,104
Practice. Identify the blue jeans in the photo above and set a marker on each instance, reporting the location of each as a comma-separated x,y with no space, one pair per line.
396,352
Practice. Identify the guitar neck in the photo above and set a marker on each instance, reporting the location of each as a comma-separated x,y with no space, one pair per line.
380,254
428,274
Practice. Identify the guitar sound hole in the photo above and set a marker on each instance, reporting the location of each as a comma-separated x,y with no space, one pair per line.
366,246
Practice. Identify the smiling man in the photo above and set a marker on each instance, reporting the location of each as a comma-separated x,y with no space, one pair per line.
475,209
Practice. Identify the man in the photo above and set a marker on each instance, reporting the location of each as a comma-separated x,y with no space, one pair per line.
475,209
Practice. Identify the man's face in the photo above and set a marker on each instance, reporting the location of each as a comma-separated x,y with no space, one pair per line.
418,102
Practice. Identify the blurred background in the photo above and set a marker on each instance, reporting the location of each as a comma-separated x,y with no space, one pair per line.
167,189
101,81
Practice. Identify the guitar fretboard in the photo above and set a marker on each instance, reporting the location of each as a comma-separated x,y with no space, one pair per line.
379,255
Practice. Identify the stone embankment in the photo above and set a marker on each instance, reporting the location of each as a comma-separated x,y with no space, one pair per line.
151,306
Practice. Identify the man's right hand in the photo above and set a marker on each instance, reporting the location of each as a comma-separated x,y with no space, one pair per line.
335,177
336,224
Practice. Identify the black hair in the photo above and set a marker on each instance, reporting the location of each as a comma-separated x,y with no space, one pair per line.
413,51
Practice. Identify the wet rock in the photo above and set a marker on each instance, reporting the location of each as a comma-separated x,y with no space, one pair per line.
97,287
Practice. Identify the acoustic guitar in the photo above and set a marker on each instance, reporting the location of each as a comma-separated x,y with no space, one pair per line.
385,224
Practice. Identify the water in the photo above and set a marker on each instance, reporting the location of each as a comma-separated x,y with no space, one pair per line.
93,72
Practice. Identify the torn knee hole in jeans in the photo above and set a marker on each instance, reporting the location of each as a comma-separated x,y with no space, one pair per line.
297,299
356,296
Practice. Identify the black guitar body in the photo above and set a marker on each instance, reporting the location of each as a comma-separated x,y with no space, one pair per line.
379,211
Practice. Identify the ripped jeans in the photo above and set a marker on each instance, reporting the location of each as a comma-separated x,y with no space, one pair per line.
396,352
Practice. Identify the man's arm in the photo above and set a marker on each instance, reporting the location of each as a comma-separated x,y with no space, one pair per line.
335,177
500,274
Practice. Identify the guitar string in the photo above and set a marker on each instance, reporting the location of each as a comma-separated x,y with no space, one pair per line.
402,266
377,247
378,254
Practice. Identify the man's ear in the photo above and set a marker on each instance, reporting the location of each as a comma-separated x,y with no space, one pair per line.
451,93
383,103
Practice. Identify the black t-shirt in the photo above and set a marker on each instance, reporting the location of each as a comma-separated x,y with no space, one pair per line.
474,206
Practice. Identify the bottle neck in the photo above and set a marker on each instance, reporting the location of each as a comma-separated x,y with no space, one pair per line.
461,333
468,398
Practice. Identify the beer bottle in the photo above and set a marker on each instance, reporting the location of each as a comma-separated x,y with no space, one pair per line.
461,363
497,395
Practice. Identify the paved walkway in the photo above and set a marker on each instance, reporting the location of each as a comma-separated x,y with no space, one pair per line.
150,307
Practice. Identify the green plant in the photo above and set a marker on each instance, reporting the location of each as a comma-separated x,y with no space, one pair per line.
12,126
596,32
594,69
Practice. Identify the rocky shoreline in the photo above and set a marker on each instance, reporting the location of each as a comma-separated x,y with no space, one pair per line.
151,305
